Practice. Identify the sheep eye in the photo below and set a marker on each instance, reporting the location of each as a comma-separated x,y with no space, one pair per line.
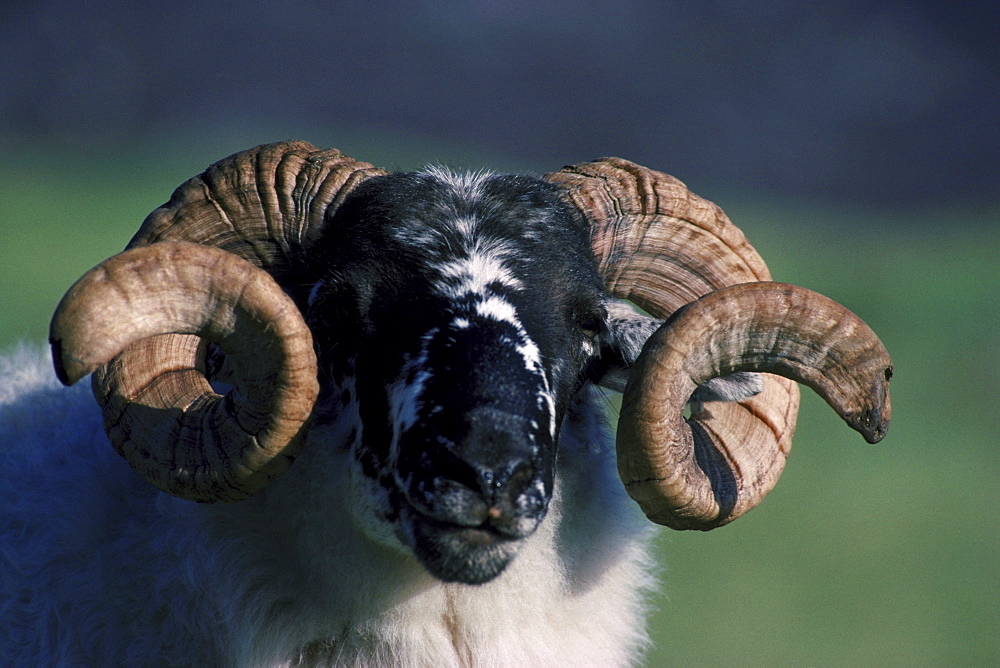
590,325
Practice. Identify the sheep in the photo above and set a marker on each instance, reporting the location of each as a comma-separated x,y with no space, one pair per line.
366,414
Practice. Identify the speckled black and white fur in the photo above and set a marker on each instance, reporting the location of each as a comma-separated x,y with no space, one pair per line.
456,503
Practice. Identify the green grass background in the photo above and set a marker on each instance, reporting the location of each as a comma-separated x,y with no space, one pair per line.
863,555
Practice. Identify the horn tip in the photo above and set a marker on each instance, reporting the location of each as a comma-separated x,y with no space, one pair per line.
872,425
873,421
68,369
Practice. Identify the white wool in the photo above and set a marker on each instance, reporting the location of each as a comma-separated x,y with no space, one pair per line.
99,568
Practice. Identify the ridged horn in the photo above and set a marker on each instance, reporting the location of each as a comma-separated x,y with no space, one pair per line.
267,205
706,471
263,207
661,247
163,416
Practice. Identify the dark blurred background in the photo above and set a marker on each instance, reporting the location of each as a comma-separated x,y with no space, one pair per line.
865,101
857,143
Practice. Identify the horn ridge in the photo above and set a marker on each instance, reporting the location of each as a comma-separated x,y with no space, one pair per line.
774,327
662,247
657,243
160,411
265,207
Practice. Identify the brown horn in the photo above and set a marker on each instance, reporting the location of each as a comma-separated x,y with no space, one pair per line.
706,471
164,417
657,243
267,206
661,246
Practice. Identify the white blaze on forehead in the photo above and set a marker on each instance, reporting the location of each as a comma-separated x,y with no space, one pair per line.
475,274
498,308
478,259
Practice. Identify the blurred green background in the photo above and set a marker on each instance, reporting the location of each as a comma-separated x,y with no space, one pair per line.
855,143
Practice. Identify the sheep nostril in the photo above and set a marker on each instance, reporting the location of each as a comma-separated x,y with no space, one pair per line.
501,487
522,476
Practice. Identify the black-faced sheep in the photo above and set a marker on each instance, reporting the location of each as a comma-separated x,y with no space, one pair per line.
425,347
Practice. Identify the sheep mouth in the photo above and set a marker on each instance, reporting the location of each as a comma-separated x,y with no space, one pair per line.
457,553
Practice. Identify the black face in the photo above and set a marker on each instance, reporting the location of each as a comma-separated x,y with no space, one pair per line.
464,308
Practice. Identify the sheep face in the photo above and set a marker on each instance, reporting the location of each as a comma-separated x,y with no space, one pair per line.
464,310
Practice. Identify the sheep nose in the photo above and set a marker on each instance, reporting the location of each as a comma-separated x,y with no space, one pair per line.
490,464
499,457
503,495
500,462
506,496
488,475
500,488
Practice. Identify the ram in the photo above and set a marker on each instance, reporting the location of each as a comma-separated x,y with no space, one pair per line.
365,407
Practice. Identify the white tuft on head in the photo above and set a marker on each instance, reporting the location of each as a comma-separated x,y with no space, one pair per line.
467,184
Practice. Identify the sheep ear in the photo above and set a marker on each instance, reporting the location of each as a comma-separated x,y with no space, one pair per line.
622,342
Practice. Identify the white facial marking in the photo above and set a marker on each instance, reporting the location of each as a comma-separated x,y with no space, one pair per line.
498,308
404,394
469,280
465,226
474,274
531,354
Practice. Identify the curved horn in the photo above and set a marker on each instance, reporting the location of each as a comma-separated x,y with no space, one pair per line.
657,243
706,471
194,443
265,206
661,246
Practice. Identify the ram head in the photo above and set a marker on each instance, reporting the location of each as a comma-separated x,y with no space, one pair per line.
440,325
